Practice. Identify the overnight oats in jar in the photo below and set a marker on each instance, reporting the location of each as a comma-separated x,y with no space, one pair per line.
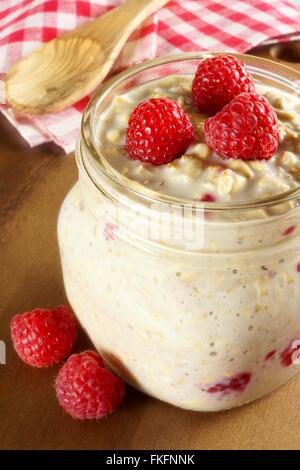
182,259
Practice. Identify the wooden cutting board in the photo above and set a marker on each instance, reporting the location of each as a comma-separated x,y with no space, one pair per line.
33,183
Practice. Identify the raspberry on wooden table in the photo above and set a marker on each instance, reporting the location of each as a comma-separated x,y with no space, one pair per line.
43,337
85,389
158,131
246,128
217,81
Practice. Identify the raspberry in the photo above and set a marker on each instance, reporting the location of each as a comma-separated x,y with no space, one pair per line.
85,389
236,383
217,81
44,337
110,231
289,230
245,128
95,356
208,198
270,355
291,352
239,382
158,131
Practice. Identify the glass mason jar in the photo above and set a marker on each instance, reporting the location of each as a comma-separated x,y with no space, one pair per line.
207,319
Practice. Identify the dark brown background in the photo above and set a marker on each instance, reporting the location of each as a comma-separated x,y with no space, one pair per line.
33,183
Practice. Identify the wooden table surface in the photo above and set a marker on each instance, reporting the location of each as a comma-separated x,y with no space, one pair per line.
33,183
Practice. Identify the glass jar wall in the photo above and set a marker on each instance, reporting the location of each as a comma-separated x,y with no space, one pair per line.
206,319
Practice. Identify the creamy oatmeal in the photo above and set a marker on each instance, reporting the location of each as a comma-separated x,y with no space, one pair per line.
207,329
200,171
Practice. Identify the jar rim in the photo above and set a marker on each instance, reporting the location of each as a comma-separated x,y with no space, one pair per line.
99,163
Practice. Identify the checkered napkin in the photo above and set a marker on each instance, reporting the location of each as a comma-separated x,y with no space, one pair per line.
182,25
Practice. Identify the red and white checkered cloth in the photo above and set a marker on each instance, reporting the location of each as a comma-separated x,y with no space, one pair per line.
182,25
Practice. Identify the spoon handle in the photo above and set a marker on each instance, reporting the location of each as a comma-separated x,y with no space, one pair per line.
118,23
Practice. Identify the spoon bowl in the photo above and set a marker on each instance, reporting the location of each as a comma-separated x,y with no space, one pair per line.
66,69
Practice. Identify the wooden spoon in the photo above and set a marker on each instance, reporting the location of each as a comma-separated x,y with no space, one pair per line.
64,70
